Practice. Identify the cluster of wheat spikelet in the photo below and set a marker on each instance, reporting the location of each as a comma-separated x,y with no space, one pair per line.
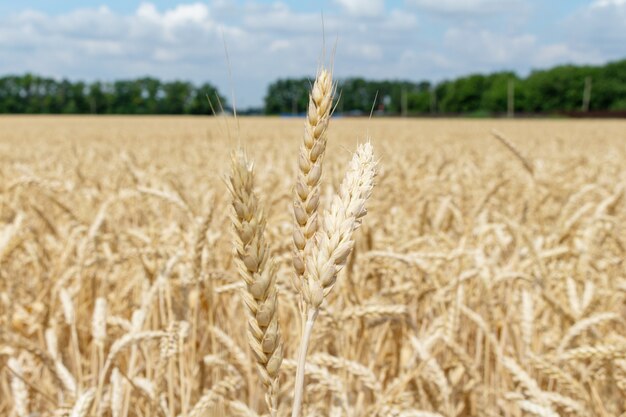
319,252
484,281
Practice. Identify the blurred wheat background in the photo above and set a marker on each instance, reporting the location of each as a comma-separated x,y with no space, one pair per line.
481,283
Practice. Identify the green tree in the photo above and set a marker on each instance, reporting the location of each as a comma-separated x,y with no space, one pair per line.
200,99
178,98
288,96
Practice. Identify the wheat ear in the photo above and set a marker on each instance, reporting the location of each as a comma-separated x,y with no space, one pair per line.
334,240
528,166
18,388
310,158
333,243
258,271
83,404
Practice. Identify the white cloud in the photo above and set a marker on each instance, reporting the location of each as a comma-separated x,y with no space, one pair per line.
196,13
599,29
608,3
271,40
486,46
400,20
363,7
279,18
488,51
265,42
279,44
472,7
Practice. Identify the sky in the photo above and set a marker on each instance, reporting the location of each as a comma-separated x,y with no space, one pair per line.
266,40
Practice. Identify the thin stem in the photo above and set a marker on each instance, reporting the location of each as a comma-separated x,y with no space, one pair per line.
304,346
76,356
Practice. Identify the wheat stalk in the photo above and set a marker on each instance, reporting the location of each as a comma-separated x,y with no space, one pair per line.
18,388
528,166
8,233
580,327
552,371
237,354
99,323
604,352
258,271
117,393
377,312
536,409
334,240
333,245
222,389
83,404
364,374
68,307
310,159
527,320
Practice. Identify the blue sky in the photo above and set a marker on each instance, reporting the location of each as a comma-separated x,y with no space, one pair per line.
408,39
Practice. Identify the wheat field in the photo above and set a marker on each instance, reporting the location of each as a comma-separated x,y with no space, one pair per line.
484,280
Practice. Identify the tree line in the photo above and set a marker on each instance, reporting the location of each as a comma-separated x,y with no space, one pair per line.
560,89
33,94
563,88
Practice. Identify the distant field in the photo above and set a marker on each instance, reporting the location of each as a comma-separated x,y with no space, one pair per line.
477,286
